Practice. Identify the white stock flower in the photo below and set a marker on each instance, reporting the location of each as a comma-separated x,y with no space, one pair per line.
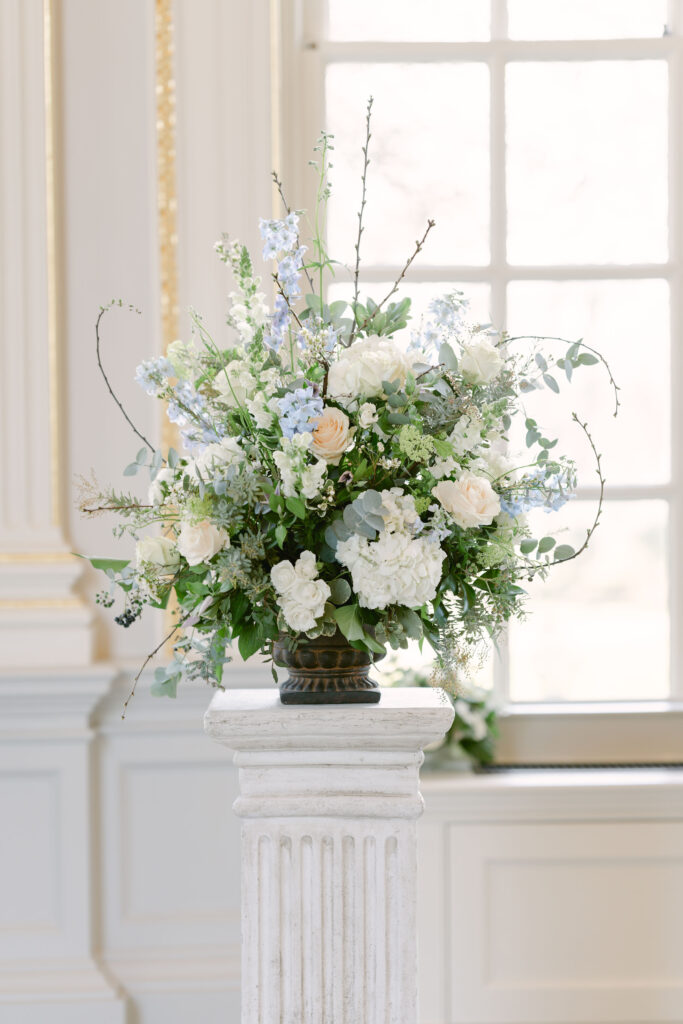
481,362
312,479
201,541
466,434
363,366
235,383
159,551
471,501
258,407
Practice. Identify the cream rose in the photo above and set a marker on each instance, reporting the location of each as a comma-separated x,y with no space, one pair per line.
363,366
331,436
198,543
160,551
471,500
481,362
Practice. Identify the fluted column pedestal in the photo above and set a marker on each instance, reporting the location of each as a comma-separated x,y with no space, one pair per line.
330,799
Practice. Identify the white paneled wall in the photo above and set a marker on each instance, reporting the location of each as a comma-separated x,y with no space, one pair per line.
542,899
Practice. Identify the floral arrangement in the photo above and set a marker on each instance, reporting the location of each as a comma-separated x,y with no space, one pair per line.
339,470
471,738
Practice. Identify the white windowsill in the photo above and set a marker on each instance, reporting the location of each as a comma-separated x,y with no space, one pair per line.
633,732
547,795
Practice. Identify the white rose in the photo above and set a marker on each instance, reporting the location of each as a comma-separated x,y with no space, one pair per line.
332,435
155,494
223,453
363,366
199,543
283,577
367,415
471,500
310,594
481,362
161,551
298,618
305,567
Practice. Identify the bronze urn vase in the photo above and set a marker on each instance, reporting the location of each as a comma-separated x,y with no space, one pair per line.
327,670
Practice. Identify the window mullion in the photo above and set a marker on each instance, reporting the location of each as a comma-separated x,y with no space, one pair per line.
498,242
676,376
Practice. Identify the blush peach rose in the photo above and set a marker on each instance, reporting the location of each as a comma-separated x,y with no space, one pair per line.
332,435
471,500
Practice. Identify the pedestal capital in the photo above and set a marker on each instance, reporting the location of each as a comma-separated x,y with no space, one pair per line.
406,719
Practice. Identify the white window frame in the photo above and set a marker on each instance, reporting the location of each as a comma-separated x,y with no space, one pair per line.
557,733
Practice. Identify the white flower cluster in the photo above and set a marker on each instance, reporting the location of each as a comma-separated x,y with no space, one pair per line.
215,459
298,477
363,366
302,595
399,567
248,311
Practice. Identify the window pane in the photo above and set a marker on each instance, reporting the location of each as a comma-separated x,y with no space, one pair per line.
585,19
429,153
398,20
587,162
598,628
628,321
479,296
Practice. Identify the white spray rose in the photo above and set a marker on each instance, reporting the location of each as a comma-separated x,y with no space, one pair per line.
471,500
363,366
159,551
367,415
199,543
302,596
481,362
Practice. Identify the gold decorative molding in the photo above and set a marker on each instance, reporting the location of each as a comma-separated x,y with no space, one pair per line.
167,207
166,173
53,312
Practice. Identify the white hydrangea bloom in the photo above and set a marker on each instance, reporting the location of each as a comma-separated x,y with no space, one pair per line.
397,568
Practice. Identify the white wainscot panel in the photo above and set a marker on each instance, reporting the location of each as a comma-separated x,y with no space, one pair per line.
579,922
171,860
29,853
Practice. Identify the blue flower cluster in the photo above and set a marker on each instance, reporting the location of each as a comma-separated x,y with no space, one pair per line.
185,404
289,272
297,408
554,491
152,374
279,235
280,239
448,311
278,325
